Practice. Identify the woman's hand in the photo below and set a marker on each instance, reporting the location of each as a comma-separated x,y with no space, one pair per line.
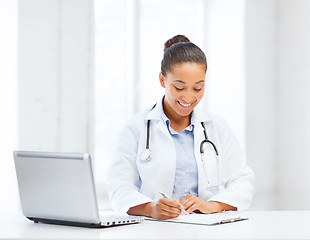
192,203
163,209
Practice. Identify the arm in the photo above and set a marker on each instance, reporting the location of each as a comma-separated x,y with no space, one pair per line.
122,180
236,176
163,209
192,203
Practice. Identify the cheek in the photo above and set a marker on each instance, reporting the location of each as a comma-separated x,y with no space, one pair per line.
172,92
200,95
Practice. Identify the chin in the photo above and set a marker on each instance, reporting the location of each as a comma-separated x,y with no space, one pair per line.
184,113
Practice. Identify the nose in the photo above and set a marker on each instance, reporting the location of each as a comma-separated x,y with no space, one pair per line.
189,97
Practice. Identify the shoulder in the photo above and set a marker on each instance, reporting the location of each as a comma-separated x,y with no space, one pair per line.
137,120
217,119
222,129
214,123
209,118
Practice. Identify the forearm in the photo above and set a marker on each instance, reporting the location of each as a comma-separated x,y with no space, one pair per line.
141,210
163,209
238,193
214,206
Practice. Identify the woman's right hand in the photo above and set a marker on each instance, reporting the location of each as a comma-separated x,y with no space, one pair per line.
165,208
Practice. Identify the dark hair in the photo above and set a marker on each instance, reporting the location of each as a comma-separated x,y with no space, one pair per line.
179,50
175,39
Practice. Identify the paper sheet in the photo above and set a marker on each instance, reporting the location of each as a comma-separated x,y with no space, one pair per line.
206,219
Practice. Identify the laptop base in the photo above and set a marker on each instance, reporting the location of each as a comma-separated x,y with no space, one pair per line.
79,224
65,223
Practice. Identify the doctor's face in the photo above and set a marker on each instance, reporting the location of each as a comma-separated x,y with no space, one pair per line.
184,87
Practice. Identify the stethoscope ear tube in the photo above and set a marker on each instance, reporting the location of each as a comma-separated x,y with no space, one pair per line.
148,132
213,184
148,135
206,140
146,155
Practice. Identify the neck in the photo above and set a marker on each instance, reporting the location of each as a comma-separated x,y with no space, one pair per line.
177,122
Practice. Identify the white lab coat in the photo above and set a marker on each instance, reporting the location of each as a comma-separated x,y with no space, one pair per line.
131,182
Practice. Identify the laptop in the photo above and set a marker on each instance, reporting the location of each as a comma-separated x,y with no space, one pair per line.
59,188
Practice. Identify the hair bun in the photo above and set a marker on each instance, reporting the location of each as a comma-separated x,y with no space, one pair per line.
175,39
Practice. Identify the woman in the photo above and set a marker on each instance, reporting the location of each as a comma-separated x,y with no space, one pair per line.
178,148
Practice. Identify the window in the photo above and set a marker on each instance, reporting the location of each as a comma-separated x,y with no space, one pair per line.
110,77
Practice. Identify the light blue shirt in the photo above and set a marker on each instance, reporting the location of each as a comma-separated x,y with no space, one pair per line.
186,174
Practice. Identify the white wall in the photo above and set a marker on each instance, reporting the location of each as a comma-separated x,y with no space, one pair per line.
225,80
278,102
8,120
55,75
260,49
293,105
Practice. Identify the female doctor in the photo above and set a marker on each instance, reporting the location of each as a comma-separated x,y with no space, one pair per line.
177,148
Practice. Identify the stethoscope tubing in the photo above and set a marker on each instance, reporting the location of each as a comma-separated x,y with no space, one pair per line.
206,140
147,156
148,135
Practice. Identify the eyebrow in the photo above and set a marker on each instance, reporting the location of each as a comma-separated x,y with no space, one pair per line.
180,81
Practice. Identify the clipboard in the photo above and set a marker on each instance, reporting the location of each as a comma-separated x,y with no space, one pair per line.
206,219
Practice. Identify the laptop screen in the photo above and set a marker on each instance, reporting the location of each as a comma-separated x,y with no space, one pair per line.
56,186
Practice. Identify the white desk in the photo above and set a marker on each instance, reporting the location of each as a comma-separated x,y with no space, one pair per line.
261,225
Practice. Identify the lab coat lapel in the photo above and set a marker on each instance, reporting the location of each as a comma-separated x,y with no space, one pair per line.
155,114
162,139
198,137
169,164
199,116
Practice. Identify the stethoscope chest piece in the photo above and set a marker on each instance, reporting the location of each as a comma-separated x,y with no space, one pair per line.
146,155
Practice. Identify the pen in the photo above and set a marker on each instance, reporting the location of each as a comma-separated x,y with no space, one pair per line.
165,196
230,220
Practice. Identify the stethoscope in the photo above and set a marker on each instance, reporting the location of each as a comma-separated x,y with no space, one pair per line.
146,155
215,183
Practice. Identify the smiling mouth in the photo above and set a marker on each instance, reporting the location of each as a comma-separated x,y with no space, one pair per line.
186,105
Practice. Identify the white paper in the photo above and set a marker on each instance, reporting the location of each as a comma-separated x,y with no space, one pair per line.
206,219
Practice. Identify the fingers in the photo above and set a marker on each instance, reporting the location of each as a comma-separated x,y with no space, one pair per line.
190,203
189,198
170,206
192,208
167,208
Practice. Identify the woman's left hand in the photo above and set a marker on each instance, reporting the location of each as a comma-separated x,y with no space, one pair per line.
192,203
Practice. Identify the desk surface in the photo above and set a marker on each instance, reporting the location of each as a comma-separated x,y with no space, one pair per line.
261,225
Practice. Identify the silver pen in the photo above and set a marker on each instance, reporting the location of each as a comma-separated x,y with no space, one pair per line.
165,196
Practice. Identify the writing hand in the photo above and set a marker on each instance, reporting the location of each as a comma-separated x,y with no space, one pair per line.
166,208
